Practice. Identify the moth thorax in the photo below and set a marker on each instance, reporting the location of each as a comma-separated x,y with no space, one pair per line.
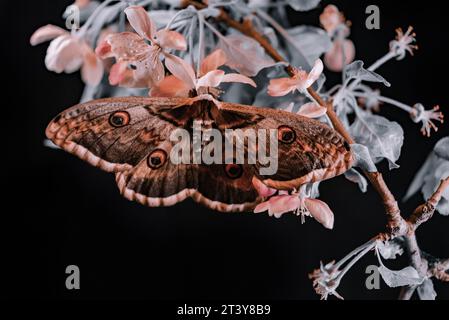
214,92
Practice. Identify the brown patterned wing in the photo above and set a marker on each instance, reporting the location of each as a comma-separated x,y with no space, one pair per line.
308,150
113,134
206,184
131,137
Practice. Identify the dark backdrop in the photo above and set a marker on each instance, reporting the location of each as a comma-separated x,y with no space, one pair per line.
57,210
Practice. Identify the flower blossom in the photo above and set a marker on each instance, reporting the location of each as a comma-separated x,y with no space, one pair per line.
326,280
403,43
298,203
184,79
138,64
309,110
427,117
342,51
68,53
301,81
331,18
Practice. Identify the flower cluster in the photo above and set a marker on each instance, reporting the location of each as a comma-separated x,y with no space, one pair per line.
280,202
235,49
342,51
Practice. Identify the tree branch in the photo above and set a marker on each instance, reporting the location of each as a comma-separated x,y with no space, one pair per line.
424,212
397,225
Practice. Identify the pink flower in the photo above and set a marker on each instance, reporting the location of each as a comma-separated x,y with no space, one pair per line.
300,81
427,117
403,43
296,203
310,110
82,3
342,51
333,59
68,53
184,79
139,63
331,18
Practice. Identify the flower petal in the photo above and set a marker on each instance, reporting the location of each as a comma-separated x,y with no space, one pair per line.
334,57
150,67
282,86
321,212
236,77
262,189
180,69
171,40
262,207
92,69
314,73
118,73
312,110
213,61
128,46
64,54
211,79
46,33
331,18
140,21
283,204
170,87
104,50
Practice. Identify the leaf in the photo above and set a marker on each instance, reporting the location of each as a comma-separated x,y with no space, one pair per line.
383,138
442,148
356,71
363,158
312,42
418,180
245,54
354,176
303,5
434,169
426,290
405,277
439,171
162,17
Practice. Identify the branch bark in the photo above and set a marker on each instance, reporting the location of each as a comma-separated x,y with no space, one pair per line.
397,225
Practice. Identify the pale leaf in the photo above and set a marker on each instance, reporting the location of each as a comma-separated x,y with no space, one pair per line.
383,138
245,54
405,277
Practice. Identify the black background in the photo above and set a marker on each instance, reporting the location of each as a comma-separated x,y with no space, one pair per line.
57,210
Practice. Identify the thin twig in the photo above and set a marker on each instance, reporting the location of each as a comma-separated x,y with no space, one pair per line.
424,212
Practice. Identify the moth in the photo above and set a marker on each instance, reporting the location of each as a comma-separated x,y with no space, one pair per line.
130,137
